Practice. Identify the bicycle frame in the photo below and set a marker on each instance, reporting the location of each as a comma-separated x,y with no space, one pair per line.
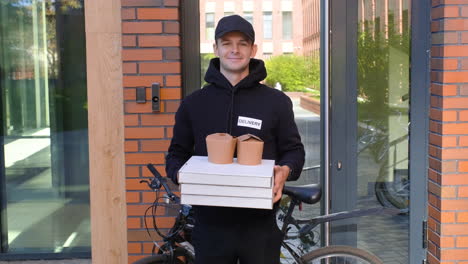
310,224
170,242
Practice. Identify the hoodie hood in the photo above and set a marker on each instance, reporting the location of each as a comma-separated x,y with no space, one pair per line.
257,73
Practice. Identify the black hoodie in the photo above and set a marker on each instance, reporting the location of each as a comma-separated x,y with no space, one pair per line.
220,107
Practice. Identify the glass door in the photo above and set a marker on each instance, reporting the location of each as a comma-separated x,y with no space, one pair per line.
369,123
44,142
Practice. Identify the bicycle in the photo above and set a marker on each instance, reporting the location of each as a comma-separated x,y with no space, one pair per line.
372,138
177,248
393,183
302,230
392,186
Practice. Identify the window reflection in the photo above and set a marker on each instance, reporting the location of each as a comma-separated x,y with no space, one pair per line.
383,119
44,179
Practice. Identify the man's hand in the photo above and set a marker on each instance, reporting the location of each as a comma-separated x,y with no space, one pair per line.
281,174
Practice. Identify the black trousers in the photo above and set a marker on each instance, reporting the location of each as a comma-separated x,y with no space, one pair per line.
254,242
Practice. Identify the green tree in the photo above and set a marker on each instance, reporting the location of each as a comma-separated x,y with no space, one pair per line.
294,73
205,62
374,51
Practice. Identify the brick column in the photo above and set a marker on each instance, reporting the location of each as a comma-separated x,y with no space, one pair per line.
151,53
448,149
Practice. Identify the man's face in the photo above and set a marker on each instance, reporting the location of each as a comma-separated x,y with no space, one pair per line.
234,50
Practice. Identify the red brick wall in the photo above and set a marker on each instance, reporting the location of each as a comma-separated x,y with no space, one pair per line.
150,53
448,149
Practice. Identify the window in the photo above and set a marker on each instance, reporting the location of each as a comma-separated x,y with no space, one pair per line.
44,176
209,26
249,17
267,55
267,25
287,25
228,14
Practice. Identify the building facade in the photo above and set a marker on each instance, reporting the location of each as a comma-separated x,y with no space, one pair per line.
277,24
71,102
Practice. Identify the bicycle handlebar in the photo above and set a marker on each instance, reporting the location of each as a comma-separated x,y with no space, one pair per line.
159,180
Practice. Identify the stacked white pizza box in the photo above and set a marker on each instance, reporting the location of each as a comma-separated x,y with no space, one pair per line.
227,185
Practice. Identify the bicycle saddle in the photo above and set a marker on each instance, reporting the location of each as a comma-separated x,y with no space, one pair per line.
308,194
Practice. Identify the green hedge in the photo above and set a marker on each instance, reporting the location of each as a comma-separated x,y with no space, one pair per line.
294,73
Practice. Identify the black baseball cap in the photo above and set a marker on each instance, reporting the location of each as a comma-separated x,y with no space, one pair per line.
234,23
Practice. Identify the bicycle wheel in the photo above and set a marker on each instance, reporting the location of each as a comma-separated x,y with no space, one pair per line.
388,195
394,193
339,255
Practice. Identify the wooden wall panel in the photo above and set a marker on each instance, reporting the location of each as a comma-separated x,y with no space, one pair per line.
106,131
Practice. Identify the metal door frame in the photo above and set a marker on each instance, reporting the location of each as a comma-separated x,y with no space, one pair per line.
339,89
419,125
3,197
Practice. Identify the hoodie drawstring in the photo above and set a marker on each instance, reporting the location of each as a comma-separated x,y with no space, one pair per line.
231,112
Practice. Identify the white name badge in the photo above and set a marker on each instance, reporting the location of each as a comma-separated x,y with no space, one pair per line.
249,122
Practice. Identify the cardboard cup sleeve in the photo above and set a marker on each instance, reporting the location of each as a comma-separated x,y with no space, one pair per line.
249,150
220,147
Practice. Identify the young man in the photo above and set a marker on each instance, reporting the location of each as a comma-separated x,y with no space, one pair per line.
225,235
